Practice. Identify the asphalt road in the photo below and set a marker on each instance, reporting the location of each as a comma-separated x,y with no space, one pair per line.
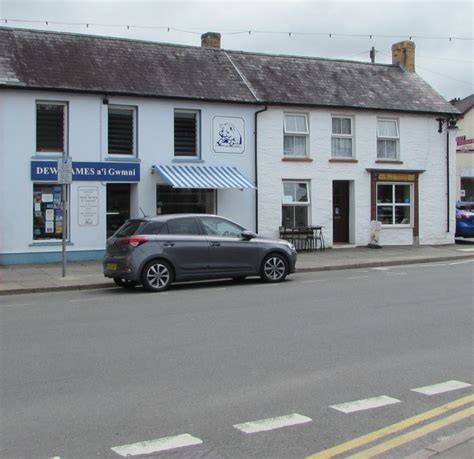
84,372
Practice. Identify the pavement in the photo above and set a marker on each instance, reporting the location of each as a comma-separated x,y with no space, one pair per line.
16,279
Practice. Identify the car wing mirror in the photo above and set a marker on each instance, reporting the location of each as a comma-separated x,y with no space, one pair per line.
247,235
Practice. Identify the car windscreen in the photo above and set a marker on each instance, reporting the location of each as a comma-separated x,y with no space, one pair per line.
469,206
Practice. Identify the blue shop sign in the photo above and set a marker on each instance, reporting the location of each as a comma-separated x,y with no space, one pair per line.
97,172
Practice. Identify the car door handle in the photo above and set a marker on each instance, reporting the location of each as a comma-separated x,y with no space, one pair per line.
168,244
215,244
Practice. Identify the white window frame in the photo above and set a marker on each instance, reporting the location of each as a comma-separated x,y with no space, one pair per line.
396,138
304,134
65,104
394,204
198,134
297,204
343,136
134,110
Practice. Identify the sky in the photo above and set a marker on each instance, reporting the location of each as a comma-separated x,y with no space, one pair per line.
330,29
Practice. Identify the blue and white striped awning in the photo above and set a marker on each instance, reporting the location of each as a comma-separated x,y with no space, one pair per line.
203,177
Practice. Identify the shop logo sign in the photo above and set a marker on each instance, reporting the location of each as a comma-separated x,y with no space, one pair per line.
85,171
228,134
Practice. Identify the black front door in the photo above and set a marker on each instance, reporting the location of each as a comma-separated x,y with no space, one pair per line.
340,211
118,206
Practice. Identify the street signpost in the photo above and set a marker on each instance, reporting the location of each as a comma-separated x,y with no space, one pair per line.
64,179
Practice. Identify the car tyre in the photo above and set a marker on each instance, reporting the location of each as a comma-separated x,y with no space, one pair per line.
125,283
157,276
274,268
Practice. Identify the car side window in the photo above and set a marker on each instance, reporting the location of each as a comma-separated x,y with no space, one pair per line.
186,226
155,228
220,227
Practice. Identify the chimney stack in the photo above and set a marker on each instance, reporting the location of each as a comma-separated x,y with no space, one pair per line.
403,54
211,40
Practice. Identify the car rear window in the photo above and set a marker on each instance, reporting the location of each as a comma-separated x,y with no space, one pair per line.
133,227
130,228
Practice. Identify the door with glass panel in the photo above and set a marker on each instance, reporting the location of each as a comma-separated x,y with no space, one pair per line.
340,211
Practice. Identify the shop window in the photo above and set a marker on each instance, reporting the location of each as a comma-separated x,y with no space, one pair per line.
186,133
50,127
295,206
47,212
185,200
296,135
341,139
387,139
121,130
394,204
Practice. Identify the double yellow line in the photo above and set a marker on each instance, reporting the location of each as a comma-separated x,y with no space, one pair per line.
404,438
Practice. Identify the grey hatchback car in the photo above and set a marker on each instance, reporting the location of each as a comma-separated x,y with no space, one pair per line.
157,251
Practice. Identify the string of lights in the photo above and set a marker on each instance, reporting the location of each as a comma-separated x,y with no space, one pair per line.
237,32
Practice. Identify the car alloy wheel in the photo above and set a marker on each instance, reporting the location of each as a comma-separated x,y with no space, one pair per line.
274,268
125,283
157,276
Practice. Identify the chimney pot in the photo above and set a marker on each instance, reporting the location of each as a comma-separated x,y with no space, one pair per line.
211,40
403,54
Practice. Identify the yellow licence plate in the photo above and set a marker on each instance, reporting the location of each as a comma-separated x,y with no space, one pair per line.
111,266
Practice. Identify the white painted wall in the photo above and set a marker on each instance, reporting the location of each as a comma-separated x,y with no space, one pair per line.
87,134
421,147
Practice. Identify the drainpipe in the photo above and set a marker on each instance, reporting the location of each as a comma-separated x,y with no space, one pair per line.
448,214
256,165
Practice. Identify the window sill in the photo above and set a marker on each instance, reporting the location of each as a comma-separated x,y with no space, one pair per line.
388,161
49,244
187,160
47,155
343,160
397,226
297,160
122,158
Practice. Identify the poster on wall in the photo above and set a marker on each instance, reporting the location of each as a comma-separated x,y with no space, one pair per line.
88,205
228,134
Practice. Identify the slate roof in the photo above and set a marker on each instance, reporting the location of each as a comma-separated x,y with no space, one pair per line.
465,104
73,62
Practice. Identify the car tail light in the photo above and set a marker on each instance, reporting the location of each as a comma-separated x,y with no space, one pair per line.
134,241
463,215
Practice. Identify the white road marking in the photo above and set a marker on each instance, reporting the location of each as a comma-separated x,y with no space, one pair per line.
396,274
358,277
466,250
460,262
313,281
365,404
441,387
155,446
272,423
382,268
